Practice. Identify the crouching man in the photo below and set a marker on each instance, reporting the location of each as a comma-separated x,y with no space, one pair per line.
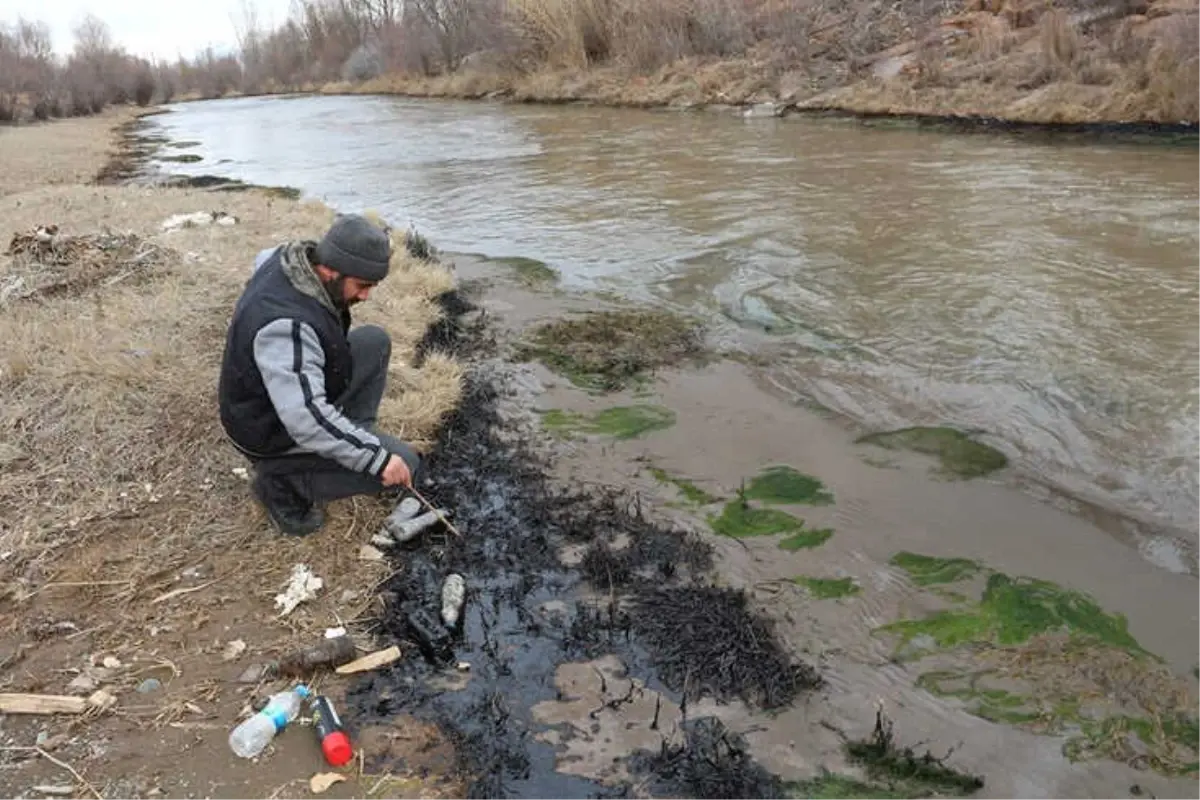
299,391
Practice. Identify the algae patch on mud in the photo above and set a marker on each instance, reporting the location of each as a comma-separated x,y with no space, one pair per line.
828,588
959,454
1012,610
619,422
806,539
783,484
930,570
610,350
529,271
1037,655
690,491
740,520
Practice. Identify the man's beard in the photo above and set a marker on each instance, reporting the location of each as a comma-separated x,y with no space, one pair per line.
336,289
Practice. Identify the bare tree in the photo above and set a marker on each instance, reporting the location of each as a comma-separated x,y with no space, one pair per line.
450,21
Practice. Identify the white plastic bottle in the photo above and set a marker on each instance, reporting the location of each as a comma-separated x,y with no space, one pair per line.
253,735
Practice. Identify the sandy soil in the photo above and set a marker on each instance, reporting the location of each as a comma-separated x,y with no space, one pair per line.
97,591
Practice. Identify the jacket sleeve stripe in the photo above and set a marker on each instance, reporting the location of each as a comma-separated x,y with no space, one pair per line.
289,357
310,401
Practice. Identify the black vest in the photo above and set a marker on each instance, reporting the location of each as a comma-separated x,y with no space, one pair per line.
247,414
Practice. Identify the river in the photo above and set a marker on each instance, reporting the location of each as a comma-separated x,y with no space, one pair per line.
1042,293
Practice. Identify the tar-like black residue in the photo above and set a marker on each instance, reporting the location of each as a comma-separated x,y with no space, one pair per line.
515,524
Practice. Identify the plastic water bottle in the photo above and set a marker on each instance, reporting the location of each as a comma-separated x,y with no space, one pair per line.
253,735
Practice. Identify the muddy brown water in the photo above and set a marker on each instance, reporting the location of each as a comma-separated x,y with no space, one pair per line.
1041,293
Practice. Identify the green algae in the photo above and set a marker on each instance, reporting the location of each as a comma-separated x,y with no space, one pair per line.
1013,610
994,705
530,271
831,786
619,422
1020,616
806,539
740,520
783,484
690,491
930,570
960,455
828,588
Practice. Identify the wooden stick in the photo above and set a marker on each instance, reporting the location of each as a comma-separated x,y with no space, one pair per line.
377,659
42,704
441,516
177,592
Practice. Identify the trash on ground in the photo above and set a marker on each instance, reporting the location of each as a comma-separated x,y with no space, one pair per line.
405,510
454,592
429,634
303,585
381,539
82,683
198,219
102,699
323,780
47,262
17,703
333,633
369,553
334,741
55,790
233,650
111,662
329,653
254,673
372,661
253,735
241,472
405,523
149,685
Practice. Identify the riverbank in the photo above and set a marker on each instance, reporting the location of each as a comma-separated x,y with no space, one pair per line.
891,582
1131,68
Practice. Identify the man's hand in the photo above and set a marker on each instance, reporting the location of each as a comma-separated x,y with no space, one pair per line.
396,473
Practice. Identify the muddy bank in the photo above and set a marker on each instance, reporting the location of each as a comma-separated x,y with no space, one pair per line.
892,583
556,574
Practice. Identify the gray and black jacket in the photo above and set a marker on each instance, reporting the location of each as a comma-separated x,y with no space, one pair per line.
286,363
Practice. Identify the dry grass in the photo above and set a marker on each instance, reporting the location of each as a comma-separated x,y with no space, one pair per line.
116,475
1026,63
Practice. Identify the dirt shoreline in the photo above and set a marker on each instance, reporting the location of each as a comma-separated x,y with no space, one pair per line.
831,596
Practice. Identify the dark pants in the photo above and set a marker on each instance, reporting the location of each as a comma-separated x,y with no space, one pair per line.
320,480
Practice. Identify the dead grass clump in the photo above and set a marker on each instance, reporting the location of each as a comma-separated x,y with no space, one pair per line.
46,262
609,350
1060,42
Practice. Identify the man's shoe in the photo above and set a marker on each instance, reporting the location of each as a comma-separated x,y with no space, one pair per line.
289,512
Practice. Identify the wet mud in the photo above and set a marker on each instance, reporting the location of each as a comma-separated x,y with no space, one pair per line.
556,575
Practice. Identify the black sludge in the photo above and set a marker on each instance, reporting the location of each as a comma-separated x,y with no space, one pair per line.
525,613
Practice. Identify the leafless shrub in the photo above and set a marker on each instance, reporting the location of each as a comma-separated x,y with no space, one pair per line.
363,64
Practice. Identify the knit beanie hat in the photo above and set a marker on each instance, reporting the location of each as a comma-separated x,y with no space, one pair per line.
354,246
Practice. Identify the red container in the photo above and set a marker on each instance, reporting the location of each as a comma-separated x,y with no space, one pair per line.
335,742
